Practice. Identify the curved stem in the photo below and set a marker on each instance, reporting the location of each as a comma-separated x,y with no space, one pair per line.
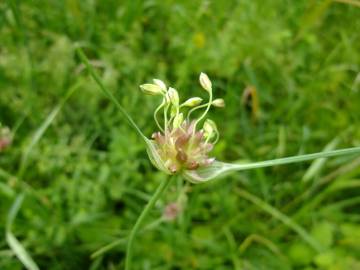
161,188
194,109
155,115
206,111
107,93
166,118
294,159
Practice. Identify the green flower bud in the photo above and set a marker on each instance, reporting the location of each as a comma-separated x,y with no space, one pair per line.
178,120
173,96
192,102
205,82
151,89
210,128
219,102
173,111
161,84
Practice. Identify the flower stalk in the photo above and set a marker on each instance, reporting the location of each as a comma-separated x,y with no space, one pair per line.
129,250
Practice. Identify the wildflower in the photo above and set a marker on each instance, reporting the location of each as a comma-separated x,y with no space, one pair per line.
171,211
179,146
5,138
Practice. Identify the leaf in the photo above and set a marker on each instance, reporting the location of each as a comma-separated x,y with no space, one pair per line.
107,93
20,252
219,169
283,218
319,163
14,244
44,126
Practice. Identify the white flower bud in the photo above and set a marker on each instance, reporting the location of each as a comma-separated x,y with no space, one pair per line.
219,102
161,84
151,89
178,120
192,102
210,128
205,82
173,96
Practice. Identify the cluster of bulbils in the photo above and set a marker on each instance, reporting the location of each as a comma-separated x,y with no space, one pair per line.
178,143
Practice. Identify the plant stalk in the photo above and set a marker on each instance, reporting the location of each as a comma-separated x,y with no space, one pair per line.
295,159
161,188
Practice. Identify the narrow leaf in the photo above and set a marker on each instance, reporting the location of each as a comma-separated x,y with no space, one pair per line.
41,130
13,243
107,93
218,168
20,252
319,163
283,218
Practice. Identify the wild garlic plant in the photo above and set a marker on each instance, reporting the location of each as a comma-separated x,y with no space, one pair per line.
181,147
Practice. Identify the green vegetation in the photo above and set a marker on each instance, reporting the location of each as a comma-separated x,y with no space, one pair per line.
74,176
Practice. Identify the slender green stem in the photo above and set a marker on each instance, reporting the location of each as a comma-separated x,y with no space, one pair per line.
206,111
155,115
282,217
43,128
107,93
294,159
196,108
166,118
161,188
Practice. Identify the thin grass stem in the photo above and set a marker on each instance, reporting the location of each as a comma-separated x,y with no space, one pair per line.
295,159
282,217
107,93
161,188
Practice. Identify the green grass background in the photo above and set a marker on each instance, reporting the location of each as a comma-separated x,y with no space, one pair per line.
85,173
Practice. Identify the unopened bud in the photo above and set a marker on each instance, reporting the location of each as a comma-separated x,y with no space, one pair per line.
151,89
210,128
219,102
178,120
192,102
205,82
161,84
173,96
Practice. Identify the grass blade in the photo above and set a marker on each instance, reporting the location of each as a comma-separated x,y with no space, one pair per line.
20,252
107,93
41,130
319,163
14,244
282,217
218,168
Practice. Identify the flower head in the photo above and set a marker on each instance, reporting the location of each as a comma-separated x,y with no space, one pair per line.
179,146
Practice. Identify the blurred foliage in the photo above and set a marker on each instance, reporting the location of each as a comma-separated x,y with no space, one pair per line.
88,177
